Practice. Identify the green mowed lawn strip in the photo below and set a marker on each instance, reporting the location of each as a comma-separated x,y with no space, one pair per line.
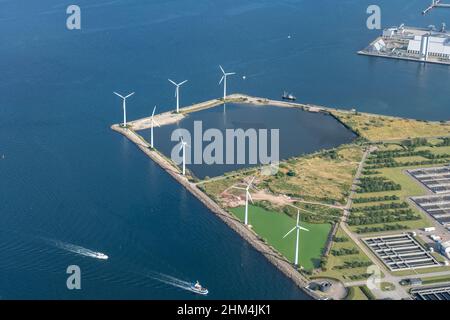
272,226
410,159
435,150
356,294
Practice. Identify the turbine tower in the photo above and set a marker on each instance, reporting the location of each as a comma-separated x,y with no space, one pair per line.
247,197
124,106
183,147
152,124
224,79
177,91
297,227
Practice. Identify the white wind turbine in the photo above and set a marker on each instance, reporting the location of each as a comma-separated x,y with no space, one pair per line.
247,197
224,79
152,123
297,227
124,106
177,91
183,147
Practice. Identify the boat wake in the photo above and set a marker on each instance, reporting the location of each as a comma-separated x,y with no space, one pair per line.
171,281
78,249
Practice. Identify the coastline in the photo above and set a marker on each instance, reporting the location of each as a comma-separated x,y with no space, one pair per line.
247,234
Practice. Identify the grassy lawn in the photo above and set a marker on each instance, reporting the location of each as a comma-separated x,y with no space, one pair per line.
435,150
420,271
356,294
435,280
383,128
325,177
272,226
404,160
344,275
322,177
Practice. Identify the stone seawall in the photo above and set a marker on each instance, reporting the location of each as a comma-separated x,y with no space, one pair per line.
251,237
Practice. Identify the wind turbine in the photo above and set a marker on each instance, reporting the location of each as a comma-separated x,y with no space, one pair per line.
152,123
247,197
177,91
224,79
297,227
183,147
124,106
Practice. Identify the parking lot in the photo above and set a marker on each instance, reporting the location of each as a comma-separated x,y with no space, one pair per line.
400,252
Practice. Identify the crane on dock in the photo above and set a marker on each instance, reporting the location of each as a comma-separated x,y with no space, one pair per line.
435,4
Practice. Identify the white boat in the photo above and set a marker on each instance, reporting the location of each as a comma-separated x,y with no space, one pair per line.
288,96
100,255
197,288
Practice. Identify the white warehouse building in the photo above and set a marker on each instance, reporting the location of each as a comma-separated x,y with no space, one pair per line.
444,248
430,45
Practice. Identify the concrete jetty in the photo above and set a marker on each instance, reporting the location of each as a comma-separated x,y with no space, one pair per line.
171,117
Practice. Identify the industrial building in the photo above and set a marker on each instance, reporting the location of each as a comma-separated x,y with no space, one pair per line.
430,45
400,252
431,293
437,206
444,249
410,43
436,179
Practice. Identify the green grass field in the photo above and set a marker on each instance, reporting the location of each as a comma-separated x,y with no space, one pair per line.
272,226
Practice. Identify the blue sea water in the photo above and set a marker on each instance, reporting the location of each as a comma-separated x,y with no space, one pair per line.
65,176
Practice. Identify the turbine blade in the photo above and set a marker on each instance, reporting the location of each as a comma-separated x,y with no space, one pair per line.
172,82
156,122
304,229
223,71
238,188
119,95
251,181
129,95
230,73
153,113
289,232
181,83
221,79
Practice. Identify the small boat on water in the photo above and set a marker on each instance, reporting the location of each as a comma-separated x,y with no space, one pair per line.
197,288
288,96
